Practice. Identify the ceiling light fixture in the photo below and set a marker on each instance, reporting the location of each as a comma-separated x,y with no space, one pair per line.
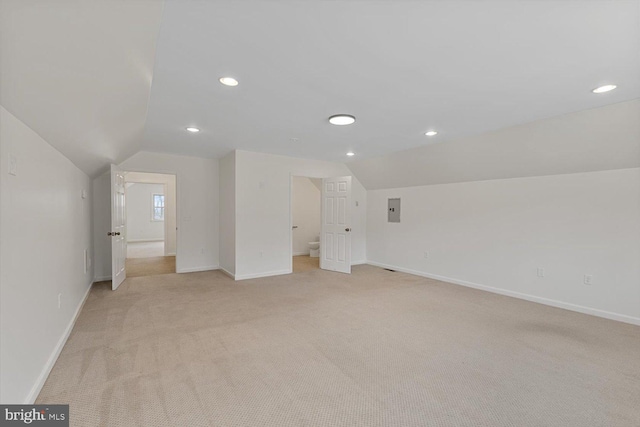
342,119
605,88
228,81
351,153
193,130
431,133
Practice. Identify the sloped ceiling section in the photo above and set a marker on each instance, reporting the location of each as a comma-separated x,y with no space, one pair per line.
401,67
597,139
79,73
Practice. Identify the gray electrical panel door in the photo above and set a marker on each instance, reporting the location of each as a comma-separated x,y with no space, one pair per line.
394,210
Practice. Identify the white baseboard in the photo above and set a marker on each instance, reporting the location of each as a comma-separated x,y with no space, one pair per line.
259,275
228,273
360,262
101,278
196,269
144,240
44,374
540,300
301,253
170,254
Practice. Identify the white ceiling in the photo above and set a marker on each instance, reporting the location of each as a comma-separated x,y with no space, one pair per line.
401,67
603,138
79,73
103,79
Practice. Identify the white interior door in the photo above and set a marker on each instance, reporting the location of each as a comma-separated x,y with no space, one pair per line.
335,235
117,233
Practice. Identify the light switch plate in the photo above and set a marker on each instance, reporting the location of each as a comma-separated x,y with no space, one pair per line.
13,165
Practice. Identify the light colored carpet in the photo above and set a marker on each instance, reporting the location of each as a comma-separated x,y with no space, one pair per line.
145,249
376,348
305,263
137,267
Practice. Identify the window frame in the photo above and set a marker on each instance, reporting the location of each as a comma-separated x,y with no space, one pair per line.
154,207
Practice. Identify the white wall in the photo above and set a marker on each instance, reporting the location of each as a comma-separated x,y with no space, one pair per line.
197,193
306,200
263,227
45,228
497,233
228,213
197,206
140,224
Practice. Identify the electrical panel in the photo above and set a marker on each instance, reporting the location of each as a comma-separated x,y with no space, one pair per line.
394,210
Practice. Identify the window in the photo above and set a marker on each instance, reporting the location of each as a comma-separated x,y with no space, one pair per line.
158,207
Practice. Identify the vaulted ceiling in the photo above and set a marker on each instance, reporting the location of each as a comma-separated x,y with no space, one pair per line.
79,73
103,79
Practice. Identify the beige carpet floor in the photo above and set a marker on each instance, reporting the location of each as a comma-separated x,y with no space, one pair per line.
145,249
319,348
137,267
303,263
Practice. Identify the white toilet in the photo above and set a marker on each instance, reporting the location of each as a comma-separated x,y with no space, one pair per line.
314,248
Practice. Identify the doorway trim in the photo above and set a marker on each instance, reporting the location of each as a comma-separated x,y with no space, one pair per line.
291,176
177,205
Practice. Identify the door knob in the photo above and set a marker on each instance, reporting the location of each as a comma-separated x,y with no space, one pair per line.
113,233
347,229
109,233
117,233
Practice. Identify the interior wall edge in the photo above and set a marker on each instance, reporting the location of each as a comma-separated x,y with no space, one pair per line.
197,269
227,273
260,275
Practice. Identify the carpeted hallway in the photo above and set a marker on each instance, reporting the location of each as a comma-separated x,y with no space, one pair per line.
376,348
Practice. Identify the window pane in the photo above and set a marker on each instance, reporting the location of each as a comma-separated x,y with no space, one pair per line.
158,200
158,214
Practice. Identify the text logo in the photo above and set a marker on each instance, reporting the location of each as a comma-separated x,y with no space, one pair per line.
34,415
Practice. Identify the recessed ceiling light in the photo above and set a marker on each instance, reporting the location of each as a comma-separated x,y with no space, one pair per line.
431,133
605,88
228,81
351,153
342,119
192,129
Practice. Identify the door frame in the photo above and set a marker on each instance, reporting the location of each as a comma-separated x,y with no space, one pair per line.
291,175
127,170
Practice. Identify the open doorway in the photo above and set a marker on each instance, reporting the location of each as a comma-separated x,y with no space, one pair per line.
306,218
150,223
